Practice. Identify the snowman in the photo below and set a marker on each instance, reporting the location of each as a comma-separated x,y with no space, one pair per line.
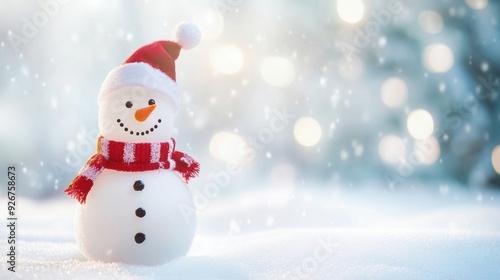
132,191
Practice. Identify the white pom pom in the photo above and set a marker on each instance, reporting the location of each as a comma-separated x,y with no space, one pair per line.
187,35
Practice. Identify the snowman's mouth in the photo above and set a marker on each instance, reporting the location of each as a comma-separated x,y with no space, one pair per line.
137,133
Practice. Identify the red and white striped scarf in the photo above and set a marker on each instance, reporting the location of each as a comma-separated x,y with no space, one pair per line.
130,157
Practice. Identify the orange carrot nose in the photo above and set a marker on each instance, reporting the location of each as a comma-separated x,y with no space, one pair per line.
143,113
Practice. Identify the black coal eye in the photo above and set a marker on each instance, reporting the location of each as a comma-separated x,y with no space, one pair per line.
129,104
151,102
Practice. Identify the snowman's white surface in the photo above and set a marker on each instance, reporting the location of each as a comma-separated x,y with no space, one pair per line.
110,224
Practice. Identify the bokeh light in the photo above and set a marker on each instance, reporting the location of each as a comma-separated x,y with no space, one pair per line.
394,92
477,4
226,146
495,159
350,11
392,149
420,124
210,22
428,150
277,71
430,21
438,58
307,131
227,59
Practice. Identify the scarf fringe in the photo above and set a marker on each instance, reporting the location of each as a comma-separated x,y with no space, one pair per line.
81,185
79,193
185,165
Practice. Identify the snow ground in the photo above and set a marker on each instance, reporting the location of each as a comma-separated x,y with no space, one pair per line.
292,234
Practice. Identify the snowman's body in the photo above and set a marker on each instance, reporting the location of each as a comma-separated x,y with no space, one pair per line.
136,217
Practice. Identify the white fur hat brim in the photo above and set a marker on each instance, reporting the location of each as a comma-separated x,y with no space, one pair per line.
139,74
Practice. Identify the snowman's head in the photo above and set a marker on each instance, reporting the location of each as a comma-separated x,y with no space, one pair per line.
136,114
138,99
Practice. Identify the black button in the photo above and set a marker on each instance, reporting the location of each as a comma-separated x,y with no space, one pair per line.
138,185
140,237
140,212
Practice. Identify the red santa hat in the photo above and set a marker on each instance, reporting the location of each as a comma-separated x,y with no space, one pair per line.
153,66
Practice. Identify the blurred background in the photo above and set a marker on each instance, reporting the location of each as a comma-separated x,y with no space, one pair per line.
296,94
